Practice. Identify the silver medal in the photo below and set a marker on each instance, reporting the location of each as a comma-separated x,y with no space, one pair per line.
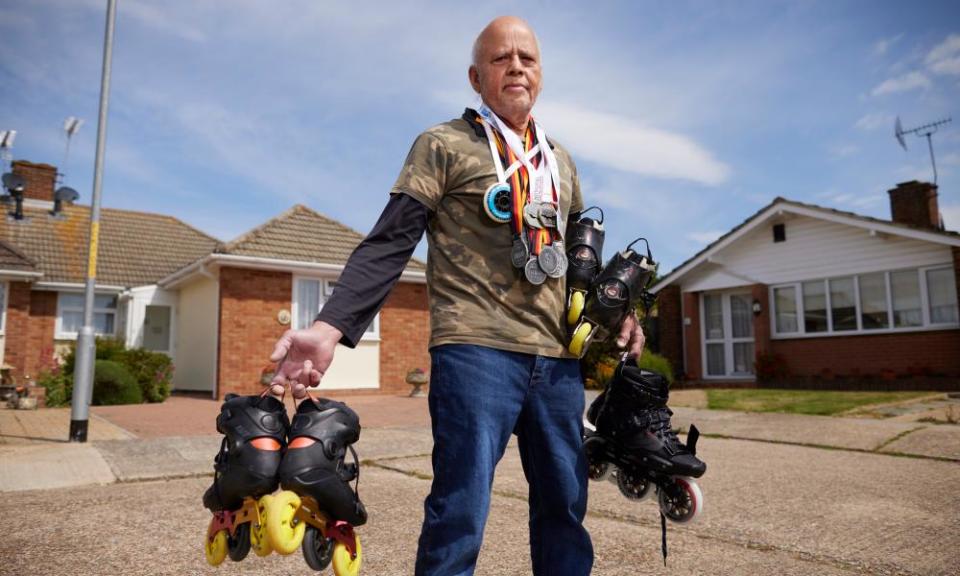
549,260
531,215
548,215
535,275
519,253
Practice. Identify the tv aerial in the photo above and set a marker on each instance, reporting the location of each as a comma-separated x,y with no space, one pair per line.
6,143
925,130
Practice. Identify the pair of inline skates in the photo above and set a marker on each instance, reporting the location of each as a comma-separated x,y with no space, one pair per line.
628,437
316,510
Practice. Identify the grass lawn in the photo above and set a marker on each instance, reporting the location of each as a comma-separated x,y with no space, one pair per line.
821,402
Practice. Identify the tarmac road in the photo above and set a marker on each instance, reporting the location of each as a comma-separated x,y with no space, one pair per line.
770,509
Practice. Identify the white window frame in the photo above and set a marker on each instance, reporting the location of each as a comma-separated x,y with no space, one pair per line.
860,331
326,290
3,308
728,340
59,334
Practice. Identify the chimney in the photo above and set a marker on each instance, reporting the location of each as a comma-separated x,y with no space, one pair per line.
915,204
40,179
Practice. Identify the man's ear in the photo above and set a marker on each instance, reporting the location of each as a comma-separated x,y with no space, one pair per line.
474,75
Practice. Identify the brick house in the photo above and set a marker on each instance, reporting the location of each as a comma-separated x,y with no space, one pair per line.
216,308
831,298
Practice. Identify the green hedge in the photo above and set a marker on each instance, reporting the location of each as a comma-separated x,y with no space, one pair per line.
114,384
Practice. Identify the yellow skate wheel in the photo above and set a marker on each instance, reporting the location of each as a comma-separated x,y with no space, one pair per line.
343,563
284,530
578,343
576,308
259,540
216,549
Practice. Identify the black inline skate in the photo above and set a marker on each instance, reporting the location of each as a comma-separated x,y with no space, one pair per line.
317,509
585,256
254,429
633,444
614,294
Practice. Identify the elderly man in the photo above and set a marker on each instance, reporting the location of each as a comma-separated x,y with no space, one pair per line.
499,365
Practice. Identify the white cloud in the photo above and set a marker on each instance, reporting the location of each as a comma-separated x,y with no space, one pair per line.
874,120
705,237
944,58
623,143
909,81
881,46
844,150
951,216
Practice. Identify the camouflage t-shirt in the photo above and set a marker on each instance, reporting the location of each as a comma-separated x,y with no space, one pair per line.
476,295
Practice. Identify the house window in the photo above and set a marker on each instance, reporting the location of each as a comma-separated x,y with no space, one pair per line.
309,296
879,301
70,314
3,307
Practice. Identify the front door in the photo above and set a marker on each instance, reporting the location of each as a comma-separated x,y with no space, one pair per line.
727,320
156,328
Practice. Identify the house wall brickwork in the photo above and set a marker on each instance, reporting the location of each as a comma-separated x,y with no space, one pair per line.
691,310
670,325
761,321
31,317
404,336
249,302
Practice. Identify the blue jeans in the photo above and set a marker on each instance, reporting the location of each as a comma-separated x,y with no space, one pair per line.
479,397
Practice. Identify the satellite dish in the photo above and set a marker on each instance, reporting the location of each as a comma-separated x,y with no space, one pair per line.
66,194
13,182
898,132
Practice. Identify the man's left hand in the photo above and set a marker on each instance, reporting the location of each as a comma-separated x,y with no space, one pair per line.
631,336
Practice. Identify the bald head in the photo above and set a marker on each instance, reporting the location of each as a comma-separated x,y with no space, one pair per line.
506,69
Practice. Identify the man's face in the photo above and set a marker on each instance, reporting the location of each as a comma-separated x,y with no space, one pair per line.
507,73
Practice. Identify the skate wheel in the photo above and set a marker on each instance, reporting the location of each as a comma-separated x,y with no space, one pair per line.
633,486
599,470
578,342
284,531
238,545
498,203
216,549
317,549
681,501
343,563
259,540
576,307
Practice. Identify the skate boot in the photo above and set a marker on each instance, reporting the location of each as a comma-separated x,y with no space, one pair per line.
633,443
254,429
317,507
613,295
585,238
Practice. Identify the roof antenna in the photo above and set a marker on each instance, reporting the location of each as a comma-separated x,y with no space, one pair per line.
925,130
64,193
6,143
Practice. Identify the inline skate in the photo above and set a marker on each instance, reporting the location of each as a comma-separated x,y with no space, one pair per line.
245,473
633,444
614,293
585,255
317,509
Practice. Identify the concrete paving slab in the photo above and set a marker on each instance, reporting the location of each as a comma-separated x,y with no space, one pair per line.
51,465
155,458
941,441
51,425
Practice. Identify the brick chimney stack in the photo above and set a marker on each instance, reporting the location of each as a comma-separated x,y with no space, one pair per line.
40,179
915,203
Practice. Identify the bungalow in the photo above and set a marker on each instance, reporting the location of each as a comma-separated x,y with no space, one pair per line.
815,294
216,308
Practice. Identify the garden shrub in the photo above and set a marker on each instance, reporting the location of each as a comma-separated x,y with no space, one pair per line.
113,384
152,370
59,386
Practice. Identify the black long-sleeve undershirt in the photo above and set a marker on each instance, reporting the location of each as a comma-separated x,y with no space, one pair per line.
374,268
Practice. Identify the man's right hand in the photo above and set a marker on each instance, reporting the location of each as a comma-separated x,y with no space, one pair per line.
302,357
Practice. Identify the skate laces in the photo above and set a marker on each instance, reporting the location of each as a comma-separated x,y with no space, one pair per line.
660,425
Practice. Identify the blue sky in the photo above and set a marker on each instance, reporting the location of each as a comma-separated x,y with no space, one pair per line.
684,117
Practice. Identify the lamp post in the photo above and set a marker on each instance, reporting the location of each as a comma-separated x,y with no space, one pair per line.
83,371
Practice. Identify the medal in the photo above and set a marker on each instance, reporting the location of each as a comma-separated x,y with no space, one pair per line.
549,260
547,215
519,253
535,275
497,202
531,215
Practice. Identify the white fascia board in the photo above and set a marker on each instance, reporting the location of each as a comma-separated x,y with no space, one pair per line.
76,287
292,266
19,275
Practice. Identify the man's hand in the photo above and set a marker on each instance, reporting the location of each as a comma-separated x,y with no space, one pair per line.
631,336
303,356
